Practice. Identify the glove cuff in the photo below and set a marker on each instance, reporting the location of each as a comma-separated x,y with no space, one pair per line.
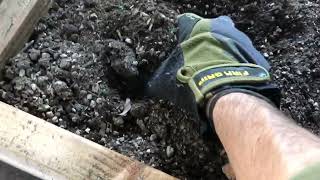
215,77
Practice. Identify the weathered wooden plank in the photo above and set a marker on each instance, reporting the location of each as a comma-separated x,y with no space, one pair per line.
17,20
49,152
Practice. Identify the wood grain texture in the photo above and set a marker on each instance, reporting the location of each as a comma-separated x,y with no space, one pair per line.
49,152
17,21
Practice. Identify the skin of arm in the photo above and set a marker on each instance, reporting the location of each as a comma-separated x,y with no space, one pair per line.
261,143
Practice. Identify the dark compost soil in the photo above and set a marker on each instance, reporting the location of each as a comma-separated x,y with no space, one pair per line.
80,68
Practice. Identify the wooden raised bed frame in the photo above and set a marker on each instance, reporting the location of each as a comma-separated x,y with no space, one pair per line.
43,149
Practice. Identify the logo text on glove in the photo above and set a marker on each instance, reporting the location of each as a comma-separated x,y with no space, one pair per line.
226,75
222,74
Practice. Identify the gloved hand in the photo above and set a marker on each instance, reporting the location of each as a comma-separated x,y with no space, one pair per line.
212,59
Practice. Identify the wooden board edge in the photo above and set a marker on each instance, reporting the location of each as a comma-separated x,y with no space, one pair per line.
25,18
49,152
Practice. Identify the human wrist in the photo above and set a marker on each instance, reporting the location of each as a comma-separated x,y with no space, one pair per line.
239,96
239,104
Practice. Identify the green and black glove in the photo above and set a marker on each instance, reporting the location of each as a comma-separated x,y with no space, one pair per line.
212,59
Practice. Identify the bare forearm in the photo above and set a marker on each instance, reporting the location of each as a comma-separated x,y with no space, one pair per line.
261,143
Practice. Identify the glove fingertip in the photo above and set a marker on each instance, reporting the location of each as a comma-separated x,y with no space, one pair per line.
186,22
224,20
